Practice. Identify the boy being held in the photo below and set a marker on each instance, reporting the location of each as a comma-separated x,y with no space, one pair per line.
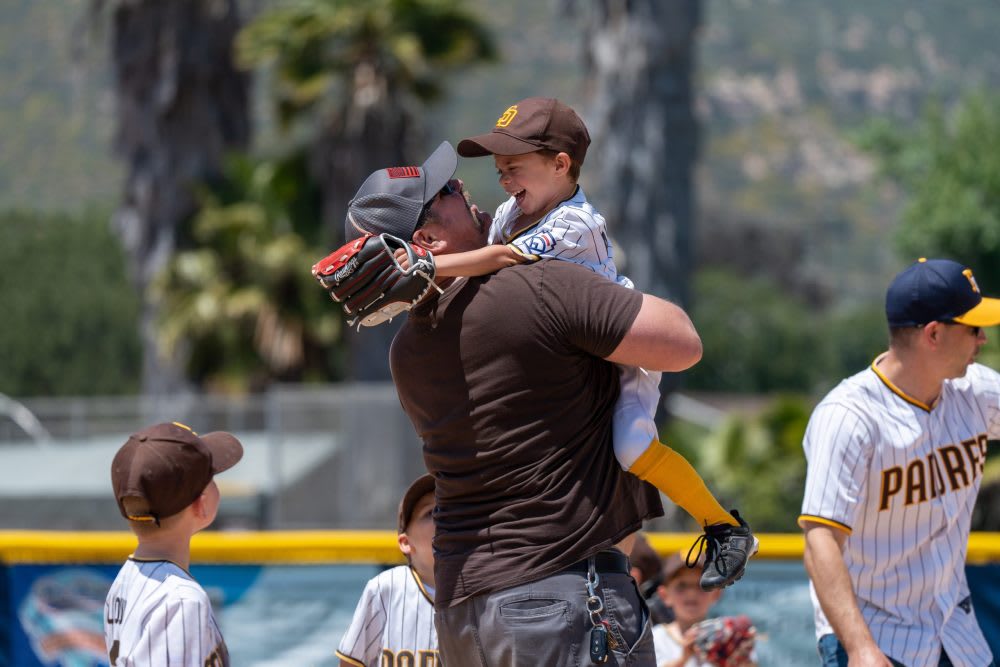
155,612
395,614
539,145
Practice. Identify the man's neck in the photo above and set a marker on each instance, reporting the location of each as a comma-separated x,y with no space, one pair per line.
911,377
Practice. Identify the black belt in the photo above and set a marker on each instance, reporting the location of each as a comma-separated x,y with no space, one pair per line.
604,561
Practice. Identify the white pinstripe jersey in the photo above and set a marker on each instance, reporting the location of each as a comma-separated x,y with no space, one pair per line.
157,614
902,478
573,231
393,624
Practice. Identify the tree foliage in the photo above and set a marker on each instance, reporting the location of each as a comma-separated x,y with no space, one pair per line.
759,337
949,167
181,105
70,316
353,76
351,79
239,304
754,463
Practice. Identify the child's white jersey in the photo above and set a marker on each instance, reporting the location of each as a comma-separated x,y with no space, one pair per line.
573,231
157,614
901,479
393,623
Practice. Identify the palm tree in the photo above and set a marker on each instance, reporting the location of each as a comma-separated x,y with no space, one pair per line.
241,303
351,76
640,57
182,105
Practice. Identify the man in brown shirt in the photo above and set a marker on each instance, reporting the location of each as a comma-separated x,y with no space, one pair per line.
509,381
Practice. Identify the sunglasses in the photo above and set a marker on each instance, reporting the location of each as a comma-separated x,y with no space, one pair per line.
443,192
975,330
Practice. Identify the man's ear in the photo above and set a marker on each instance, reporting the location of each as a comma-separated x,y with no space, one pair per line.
931,333
404,543
429,240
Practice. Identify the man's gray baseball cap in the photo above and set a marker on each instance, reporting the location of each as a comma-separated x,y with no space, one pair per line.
391,200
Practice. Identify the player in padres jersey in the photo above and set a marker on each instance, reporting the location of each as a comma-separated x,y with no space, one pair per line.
393,624
895,459
155,612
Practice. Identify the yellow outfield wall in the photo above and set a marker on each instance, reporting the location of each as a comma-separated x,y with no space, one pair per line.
334,546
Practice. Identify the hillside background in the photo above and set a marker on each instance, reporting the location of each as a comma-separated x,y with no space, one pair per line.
783,85
795,221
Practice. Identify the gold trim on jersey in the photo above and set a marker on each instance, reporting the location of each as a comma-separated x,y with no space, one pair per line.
348,659
517,251
826,522
420,585
896,390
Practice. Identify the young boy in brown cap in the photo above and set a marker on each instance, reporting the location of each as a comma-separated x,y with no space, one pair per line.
155,612
677,642
395,615
539,145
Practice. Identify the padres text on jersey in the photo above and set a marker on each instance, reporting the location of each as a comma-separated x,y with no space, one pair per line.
902,482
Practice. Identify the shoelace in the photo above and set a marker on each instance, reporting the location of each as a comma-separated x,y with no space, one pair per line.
712,547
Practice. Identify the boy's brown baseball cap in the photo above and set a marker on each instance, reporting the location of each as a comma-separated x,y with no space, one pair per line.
168,466
676,563
535,123
420,487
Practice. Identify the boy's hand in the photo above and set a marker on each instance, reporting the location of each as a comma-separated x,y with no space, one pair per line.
726,642
402,258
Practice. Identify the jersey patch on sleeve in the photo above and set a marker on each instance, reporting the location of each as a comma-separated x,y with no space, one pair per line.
538,244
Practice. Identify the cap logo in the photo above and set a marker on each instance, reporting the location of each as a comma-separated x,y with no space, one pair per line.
403,172
972,281
507,117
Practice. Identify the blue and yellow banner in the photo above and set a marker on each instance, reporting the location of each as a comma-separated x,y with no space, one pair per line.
287,597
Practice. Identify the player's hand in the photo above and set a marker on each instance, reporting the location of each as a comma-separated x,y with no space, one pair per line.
868,656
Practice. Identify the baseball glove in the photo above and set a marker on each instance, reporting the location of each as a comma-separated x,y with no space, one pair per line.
726,642
370,284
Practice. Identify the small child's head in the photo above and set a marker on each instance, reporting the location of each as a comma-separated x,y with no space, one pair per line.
416,527
163,475
539,145
681,590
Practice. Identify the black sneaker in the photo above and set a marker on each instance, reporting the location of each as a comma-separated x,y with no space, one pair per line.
727,550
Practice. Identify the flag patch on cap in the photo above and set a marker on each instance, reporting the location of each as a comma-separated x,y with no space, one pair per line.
403,172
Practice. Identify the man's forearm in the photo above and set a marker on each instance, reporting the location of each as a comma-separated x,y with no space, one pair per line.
824,562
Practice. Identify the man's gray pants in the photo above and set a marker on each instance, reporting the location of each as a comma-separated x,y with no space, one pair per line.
546,623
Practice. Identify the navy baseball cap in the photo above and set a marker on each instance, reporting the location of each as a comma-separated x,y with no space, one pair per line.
390,200
938,290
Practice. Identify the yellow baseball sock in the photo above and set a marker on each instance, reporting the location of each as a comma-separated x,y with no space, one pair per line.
671,473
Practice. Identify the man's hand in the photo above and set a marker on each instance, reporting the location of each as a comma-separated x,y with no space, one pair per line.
868,656
372,286
824,561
